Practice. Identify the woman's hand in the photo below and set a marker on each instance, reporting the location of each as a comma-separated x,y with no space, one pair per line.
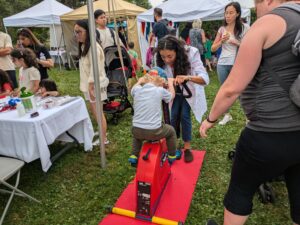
204,127
180,79
225,37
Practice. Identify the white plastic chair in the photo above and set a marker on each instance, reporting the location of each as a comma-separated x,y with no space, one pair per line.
9,167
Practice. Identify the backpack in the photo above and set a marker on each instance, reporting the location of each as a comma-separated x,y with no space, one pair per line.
293,90
112,35
171,30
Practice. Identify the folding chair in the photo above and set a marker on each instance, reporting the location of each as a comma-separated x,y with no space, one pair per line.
9,167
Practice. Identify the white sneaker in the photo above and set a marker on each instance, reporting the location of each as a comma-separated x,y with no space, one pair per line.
225,119
97,142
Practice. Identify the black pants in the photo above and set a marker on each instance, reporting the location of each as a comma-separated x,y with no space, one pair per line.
12,76
260,157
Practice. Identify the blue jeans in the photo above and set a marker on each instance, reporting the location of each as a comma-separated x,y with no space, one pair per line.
183,117
223,72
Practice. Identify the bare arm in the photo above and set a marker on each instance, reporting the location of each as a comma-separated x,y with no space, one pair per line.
203,36
5,51
264,33
219,40
35,86
46,63
50,93
171,86
195,79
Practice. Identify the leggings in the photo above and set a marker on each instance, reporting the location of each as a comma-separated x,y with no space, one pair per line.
260,157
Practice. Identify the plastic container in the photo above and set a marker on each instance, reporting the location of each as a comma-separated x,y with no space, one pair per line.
29,104
20,109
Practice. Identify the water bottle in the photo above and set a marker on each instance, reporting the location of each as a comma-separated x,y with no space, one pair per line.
20,109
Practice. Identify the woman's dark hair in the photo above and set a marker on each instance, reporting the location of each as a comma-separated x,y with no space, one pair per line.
48,84
27,54
181,64
83,52
4,78
25,32
238,28
186,30
85,25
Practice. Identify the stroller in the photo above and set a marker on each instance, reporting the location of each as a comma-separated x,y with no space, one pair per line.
117,94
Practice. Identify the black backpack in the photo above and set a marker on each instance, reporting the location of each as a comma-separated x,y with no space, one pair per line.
112,35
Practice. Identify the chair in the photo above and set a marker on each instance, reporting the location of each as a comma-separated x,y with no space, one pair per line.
9,167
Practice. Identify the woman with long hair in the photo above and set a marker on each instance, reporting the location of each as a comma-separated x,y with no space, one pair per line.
184,64
26,39
228,38
87,84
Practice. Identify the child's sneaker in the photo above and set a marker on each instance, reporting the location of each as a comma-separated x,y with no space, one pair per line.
133,160
171,159
178,154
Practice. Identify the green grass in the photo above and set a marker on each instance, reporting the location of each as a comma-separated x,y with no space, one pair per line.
76,189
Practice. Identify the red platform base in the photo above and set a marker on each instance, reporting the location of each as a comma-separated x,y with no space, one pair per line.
176,198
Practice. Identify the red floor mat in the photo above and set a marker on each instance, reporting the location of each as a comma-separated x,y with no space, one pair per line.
176,199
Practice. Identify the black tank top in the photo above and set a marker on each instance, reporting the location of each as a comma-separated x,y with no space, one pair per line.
265,103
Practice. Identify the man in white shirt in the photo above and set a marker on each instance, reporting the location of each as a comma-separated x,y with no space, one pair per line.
5,61
107,35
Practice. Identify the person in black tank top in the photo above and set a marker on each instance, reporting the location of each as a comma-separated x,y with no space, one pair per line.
269,145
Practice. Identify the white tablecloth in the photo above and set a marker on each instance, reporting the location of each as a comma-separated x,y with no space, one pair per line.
28,138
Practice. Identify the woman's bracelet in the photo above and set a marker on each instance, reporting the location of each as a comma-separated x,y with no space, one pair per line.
211,121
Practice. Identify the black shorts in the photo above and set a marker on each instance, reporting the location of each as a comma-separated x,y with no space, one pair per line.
260,157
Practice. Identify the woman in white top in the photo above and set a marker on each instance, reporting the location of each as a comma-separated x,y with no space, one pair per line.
229,38
87,85
184,64
29,75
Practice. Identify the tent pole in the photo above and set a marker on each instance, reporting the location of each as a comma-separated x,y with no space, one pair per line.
5,30
99,106
118,43
55,38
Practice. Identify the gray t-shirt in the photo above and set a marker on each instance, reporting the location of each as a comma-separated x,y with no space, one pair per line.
147,105
266,104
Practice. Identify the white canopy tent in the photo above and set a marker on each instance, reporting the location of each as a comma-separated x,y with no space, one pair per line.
43,14
182,11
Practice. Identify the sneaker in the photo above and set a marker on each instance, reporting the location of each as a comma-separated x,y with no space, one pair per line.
133,160
188,156
225,119
178,154
171,159
211,222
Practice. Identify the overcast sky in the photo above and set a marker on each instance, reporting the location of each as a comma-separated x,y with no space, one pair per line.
155,2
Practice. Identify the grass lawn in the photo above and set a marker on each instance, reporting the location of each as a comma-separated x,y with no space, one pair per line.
76,190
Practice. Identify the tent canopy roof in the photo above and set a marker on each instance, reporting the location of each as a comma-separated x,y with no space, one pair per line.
122,9
44,14
188,10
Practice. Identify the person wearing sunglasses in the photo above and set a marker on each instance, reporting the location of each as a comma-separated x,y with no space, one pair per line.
27,39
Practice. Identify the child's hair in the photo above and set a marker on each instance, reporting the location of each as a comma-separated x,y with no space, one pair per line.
27,54
154,79
131,45
48,84
4,78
